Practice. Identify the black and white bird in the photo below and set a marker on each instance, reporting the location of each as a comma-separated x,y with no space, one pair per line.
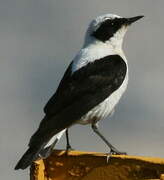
90,89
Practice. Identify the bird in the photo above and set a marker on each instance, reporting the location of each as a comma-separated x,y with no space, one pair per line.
90,89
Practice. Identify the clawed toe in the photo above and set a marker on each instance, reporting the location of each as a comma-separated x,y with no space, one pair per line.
116,152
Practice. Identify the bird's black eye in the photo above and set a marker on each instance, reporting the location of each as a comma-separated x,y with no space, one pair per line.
107,29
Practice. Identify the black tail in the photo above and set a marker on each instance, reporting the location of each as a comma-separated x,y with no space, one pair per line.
37,143
26,160
36,146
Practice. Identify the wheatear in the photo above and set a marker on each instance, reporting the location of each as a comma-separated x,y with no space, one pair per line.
90,89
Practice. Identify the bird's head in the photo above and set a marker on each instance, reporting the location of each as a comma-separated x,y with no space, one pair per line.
109,29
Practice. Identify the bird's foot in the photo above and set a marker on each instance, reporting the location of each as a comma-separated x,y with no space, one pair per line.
116,152
68,148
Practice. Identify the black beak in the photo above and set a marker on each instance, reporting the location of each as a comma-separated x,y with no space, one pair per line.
131,20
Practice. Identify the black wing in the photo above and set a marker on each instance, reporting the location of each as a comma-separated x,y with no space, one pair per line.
84,89
51,107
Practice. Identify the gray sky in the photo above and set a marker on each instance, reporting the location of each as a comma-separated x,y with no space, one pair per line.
38,39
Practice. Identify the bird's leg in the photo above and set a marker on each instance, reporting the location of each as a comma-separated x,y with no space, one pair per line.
113,150
68,146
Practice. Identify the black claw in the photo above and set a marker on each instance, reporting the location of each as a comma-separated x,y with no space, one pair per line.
116,152
69,148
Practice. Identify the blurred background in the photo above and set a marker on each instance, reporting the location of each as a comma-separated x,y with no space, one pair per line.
38,39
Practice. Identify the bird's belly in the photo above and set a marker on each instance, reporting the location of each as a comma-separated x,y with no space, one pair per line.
105,108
